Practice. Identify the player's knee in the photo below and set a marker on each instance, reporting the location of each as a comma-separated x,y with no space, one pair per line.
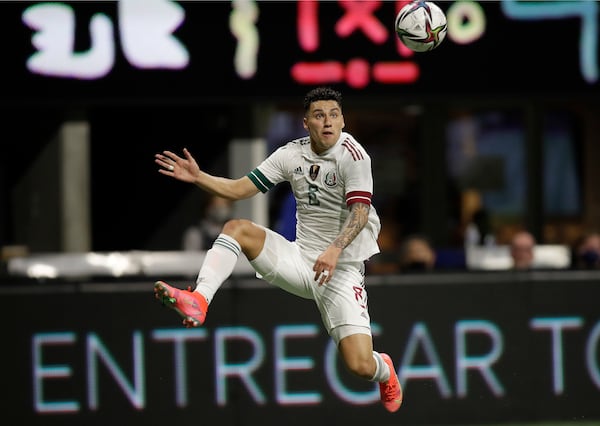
231,226
245,232
236,227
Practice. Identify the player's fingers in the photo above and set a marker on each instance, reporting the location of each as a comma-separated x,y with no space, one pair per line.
171,155
164,162
167,166
171,159
323,277
164,166
163,159
317,268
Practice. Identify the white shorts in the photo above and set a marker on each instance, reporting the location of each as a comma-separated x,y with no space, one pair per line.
342,302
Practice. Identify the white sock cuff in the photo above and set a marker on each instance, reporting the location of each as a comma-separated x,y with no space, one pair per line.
382,371
228,243
218,264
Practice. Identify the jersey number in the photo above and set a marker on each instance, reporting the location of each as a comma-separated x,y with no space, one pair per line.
312,195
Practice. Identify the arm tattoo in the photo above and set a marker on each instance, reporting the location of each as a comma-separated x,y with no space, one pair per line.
356,221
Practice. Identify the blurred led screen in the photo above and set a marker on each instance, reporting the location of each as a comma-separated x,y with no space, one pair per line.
167,50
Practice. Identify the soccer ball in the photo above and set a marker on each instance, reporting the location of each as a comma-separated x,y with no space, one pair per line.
421,25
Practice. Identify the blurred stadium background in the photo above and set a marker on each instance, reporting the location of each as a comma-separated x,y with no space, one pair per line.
500,120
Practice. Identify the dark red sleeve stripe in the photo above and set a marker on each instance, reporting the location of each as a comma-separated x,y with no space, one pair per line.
358,197
354,151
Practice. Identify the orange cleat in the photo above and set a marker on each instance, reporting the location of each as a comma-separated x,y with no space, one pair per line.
390,391
190,305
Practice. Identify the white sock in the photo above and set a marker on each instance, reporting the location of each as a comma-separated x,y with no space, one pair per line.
382,372
217,266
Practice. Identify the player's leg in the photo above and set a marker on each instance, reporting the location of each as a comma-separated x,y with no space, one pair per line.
237,235
249,236
348,322
357,353
281,264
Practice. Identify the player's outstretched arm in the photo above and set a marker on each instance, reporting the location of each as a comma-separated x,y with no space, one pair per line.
325,265
186,169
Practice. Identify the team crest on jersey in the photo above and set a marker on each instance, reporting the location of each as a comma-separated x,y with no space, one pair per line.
314,171
331,179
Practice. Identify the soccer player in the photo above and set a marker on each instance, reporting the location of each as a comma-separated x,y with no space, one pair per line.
336,232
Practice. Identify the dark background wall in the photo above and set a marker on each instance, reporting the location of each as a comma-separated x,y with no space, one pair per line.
480,348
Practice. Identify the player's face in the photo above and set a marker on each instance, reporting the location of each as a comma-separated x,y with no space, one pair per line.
324,122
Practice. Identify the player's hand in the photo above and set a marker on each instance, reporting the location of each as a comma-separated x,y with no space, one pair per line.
184,169
325,265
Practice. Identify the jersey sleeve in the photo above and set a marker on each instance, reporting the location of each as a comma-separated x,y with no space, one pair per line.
358,175
271,171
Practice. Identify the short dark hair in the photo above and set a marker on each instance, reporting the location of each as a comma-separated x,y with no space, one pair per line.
322,94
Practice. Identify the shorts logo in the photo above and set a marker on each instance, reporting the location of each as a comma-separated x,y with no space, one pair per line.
359,296
314,171
331,179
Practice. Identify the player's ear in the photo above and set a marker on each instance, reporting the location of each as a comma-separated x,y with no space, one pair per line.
304,123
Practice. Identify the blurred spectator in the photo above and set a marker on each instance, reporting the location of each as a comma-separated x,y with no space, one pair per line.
479,231
201,236
416,254
521,250
586,253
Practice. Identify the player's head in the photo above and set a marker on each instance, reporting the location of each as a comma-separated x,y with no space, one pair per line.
323,118
322,94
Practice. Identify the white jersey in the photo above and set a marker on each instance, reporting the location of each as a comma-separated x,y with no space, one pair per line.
324,187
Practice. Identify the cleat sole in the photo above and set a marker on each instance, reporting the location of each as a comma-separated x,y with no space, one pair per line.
162,294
